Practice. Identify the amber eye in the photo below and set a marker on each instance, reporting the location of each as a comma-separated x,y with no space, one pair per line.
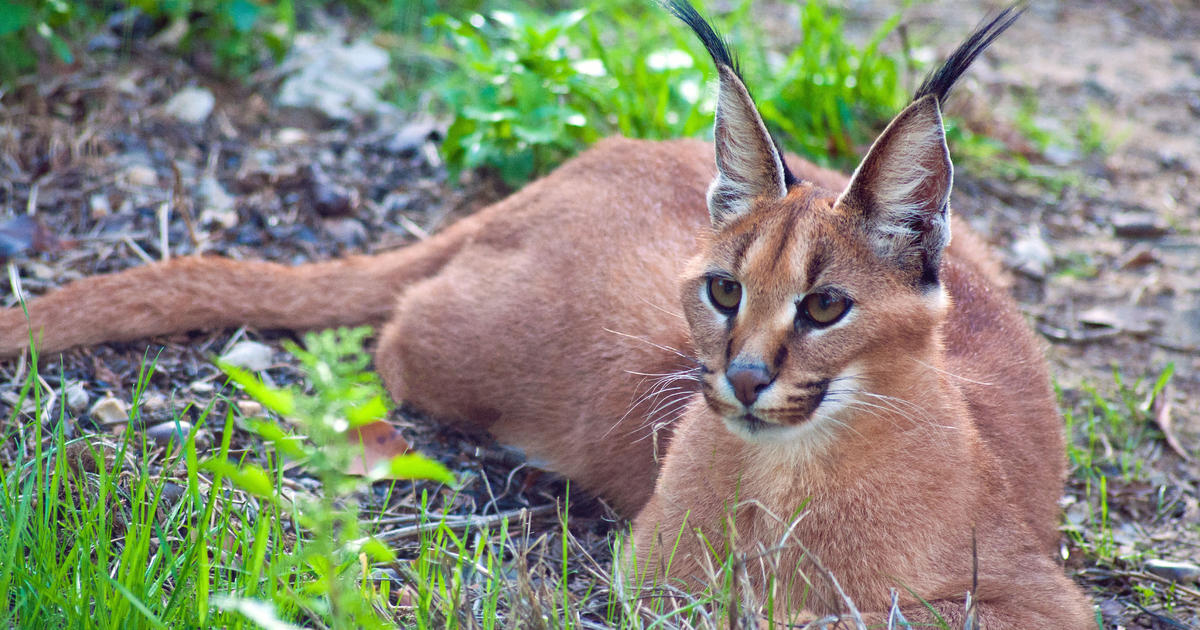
725,294
824,308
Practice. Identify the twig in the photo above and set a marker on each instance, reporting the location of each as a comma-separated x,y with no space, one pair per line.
412,227
463,523
138,250
164,231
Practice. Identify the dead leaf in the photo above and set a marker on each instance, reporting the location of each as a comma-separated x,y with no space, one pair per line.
1162,417
381,442
25,234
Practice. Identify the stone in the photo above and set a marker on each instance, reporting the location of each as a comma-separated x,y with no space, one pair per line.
77,397
191,105
1173,570
167,432
1138,225
110,410
249,355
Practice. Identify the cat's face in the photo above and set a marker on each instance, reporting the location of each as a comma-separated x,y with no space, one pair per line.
797,320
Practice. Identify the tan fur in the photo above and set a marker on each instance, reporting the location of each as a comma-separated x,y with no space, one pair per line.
537,318
904,447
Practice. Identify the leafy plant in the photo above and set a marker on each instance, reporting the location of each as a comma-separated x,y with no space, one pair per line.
528,90
27,25
109,533
829,97
335,550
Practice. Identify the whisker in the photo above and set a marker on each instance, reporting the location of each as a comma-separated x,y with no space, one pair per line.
653,344
950,374
656,307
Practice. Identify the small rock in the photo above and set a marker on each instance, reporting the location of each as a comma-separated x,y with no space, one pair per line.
201,387
250,408
1078,513
191,105
141,176
172,493
168,432
153,402
1139,256
1138,225
99,206
249,355
218,205
410,138
103,41
132,24
348,232
1175,571
339,80
109,410
1031,254
1059,155
290,136
77,397
330,198
1131,319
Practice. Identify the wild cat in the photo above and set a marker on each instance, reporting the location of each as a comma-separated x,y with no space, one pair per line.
844,391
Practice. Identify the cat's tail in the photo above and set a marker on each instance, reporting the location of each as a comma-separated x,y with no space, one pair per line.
209,292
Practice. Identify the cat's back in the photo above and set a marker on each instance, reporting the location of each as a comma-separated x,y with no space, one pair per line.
998,363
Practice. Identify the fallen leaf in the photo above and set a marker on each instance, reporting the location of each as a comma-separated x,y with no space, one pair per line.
24,234
1162,417
380,441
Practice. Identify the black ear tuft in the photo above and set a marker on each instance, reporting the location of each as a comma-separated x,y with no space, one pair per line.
749,163
941,81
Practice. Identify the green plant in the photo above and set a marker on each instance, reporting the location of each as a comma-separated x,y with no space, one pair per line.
111,533
528,90
240,34
27,25
336,551
829,97
1111,430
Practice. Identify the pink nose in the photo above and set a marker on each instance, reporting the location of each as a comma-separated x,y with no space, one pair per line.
748,380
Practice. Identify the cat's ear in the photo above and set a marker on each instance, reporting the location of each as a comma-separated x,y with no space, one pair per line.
901,191
749,165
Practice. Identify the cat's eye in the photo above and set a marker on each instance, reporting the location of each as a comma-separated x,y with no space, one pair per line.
725,294
824,308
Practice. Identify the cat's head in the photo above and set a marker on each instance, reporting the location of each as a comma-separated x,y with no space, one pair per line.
805,302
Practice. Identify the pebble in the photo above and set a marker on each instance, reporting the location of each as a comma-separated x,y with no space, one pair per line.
191,105
168,432
77,397
140,175
1138,225
339,80
109,410
250,408
1175,571
1031,254
99,206
330,198
347,232
291,135
249,355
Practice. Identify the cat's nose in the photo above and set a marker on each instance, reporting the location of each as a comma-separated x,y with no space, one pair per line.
748,380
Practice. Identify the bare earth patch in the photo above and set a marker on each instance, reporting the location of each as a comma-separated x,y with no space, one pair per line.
1104,253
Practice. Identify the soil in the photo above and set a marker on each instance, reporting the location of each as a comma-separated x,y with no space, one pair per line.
1103,246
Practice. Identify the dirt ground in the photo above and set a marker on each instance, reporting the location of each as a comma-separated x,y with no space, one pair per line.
1104,251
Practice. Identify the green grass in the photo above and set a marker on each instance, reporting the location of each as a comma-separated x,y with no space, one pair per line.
527,89
93,538
1110,439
